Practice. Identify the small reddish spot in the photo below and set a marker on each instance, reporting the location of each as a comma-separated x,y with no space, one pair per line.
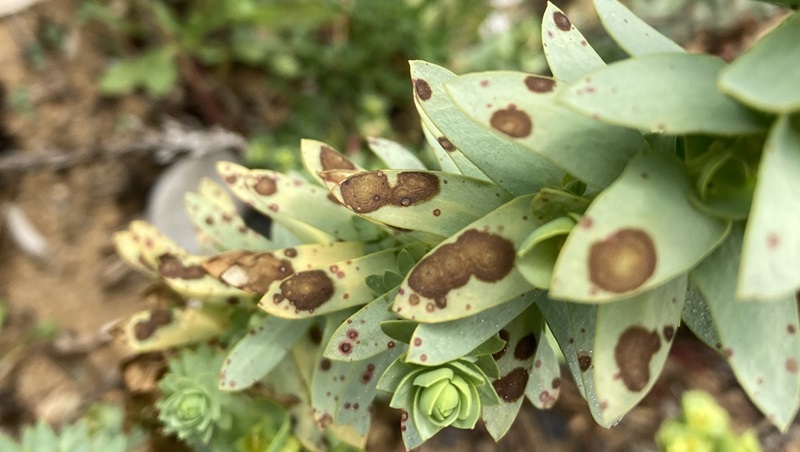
417,341
538,363
346,296
584,43
759,380
791,365
334,268
728,352
352,334
790,329
468,307
345,348
484,83
423,357
347,405
390,344
773,241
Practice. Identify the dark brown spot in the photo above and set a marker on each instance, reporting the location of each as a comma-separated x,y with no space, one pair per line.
332,199
423,89
315,334
512,122
446,144
562,22
209,221
669,332
504,335
539,84
144,329
584,361
366,192
390,344
791,365
345,348
623,261
170,266
352,334
441,302
633,352
512,386
556,383
308,290
525,348
413,299
265,186
790,329
436,212
249,271
546,399
329,159
414,187
231,179
489,257
290,252
325,364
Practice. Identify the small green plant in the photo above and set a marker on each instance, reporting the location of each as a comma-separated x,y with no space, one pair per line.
597,210
703,425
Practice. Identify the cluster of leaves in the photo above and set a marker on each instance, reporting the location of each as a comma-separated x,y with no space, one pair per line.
602,207
100,429
703,425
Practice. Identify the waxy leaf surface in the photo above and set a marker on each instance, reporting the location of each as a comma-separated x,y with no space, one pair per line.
394,155
673,93
319,157
544,384
638,234
759,340
225,227
521,108
568,53
633,34
451,160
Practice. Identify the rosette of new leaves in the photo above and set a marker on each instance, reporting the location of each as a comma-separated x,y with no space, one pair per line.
435,397
191,406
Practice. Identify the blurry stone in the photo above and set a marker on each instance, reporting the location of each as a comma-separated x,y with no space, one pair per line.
47,390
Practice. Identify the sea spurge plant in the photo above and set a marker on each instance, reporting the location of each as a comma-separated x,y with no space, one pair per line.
603,207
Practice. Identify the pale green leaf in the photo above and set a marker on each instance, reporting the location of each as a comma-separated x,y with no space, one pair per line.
538,253
451,160
447,341
224,226
765,77
544,384
631,33
360,388
759,340
674,93
394,155
507,163
638,234
632,341
568,53
471,271
520,108
697,316
258,352
771,252
428,201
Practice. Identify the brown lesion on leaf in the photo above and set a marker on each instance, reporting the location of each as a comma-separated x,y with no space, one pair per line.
633,352
512,386
144,329
539,84
423,89
487,256
308,290
562,21
512,122
525,348
330,159
584,361
265,186
446,144
249,271
171,266
623,261
369,191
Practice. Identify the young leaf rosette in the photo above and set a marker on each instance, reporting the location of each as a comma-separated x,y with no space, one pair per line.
435,397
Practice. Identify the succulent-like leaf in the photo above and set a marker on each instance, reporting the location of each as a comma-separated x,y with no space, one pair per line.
360,337
638,234
697,316
672,93
514,362
521,108
160,329
724,186
360,388
451,160
538,253
152,244
258,352
438,343
428,201
632,341
319,157
759,340
771,255
544,384
759,77
253,272
552,203
507,163
568,54
471,271
224,226
631,33
283,198
326,288
394,155
129,249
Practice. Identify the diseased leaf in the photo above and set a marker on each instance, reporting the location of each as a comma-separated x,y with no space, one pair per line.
160,329
632,341
186,275
638,234
537,255
632,33
673,93
360,386
438,343
771,252
257,353
568,53
326,288
760,77
447,159
394,155
471,271
759,340
428,201
129,249
152,243
319,157
544,384
506,163
521,108
224,227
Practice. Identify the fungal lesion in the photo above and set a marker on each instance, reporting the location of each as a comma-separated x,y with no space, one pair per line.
622,262
369,191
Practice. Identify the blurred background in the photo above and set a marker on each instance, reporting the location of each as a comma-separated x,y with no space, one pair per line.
111,109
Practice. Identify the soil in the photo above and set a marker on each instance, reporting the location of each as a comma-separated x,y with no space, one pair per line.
57,167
